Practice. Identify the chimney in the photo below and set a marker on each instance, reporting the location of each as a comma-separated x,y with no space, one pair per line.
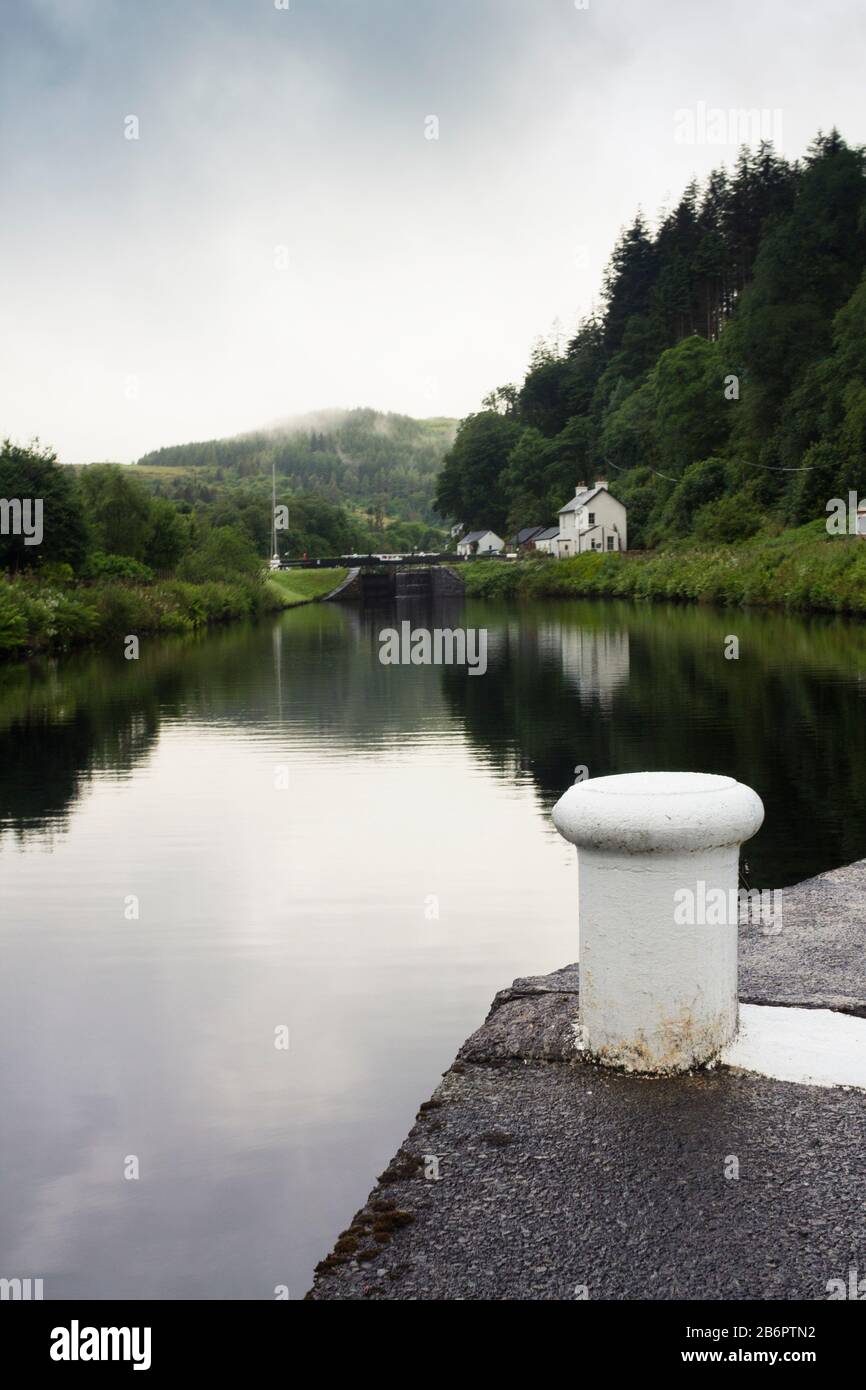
581,487
601,482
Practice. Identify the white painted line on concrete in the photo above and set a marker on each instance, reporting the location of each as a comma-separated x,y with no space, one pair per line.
817,1047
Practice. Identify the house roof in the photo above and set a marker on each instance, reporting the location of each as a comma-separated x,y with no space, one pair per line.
581,499
586,496
528,533
477,535
547,534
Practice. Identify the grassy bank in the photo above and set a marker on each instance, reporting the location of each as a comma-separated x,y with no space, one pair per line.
302,586
800,570
41,615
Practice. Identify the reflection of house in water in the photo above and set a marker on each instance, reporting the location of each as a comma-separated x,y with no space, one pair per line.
594,663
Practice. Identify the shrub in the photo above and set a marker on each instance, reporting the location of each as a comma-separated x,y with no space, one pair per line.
734,517
802,569
56,572
100,565
73,620
122,610
13,627
224,554
35,616
491,578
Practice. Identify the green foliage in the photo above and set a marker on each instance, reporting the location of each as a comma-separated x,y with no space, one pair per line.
56,572
692,417
124,608
643,491
815,482
118,508
469,488
302,586
727,370
224,553
36,616
494,578
125,519
523,478
102,566
318,527
167,535
802,569
734,517
699,486
627,433
13,624
33,473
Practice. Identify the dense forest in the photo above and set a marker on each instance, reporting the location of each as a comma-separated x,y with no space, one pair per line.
384,465
721,389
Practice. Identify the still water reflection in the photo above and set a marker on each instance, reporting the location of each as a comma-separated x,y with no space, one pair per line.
359,852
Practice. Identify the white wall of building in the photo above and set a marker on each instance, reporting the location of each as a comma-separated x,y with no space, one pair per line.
601,524
488,544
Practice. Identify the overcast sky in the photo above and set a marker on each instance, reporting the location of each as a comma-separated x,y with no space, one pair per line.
284,236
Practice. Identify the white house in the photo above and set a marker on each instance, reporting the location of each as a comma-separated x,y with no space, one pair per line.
480,543
546,540
592,520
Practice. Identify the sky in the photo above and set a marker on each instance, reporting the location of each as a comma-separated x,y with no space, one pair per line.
215,214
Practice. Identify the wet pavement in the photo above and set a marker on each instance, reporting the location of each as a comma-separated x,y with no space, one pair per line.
532,1175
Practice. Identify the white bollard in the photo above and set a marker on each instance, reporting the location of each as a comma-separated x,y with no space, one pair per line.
658,993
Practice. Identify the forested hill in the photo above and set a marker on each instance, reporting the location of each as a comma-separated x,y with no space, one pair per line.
383,463
721,389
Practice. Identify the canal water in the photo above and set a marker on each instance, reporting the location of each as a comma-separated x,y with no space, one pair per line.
256,888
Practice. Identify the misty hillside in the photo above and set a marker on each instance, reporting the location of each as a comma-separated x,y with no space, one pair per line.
384,463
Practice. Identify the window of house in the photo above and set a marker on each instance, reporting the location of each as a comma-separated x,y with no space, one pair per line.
592,518
610,542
